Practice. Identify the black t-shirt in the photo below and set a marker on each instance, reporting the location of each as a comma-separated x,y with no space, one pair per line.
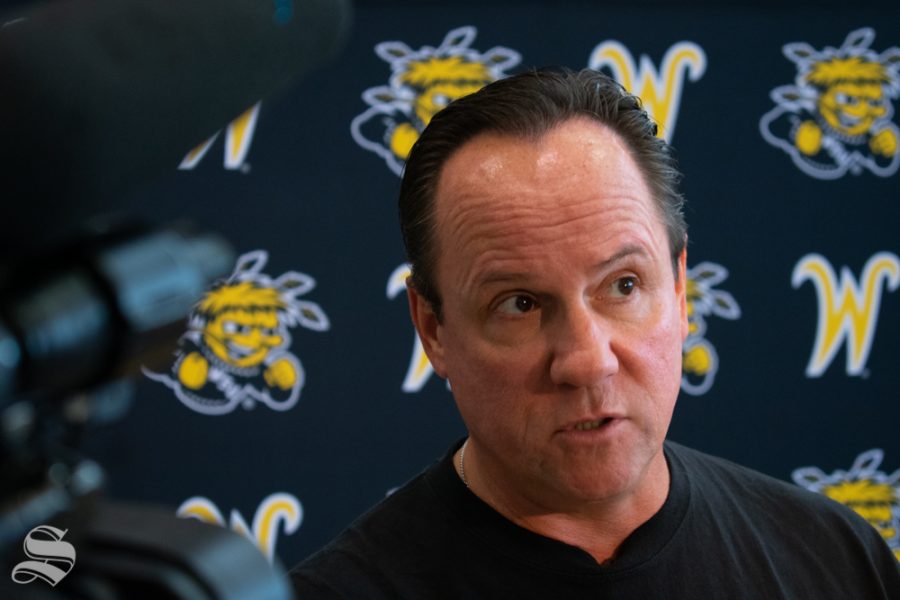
724,532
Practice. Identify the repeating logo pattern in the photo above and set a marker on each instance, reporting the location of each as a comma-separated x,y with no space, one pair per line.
837,116
238,137
848,309
278,512
236,349
872,493
659,89
700,360
51,558
423,82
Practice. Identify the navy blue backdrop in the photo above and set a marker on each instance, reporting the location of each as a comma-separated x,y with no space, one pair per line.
785,127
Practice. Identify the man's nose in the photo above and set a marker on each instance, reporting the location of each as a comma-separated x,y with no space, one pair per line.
582,353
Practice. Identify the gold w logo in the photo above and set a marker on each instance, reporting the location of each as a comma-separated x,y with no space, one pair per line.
660,91
277,511
847,310
419,368
238,136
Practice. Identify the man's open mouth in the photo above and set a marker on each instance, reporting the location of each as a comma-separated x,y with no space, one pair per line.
588,425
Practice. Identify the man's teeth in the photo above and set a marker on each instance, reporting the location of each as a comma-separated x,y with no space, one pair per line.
588,425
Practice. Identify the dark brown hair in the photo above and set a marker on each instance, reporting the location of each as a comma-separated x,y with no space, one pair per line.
527,106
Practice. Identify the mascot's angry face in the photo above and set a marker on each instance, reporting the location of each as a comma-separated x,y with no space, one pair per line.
243,338
852,108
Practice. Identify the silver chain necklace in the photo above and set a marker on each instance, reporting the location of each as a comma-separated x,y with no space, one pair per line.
462,463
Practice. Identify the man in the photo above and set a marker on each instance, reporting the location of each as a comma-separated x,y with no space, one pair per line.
544,228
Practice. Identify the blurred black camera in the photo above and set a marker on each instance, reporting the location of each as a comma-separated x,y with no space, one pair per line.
76,322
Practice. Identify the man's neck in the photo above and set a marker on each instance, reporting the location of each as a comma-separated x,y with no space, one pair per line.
598,527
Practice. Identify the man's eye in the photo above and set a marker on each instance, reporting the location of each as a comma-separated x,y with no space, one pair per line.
230,327
624,286
518,304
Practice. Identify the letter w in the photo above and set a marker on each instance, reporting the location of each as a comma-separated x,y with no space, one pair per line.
847,310
237,142
660,92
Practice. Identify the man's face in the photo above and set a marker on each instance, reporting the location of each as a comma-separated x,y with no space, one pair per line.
562,318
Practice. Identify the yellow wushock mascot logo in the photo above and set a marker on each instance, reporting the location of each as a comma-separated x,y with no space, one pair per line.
423,82
836,116
870,492
848,311
700,360
236,349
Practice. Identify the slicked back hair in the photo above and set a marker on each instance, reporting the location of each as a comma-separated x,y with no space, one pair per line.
527,106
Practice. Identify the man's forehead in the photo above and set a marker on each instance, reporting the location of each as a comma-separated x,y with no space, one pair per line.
561,154
505,198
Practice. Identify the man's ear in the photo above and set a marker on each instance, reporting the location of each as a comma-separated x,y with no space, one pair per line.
681,291
428,327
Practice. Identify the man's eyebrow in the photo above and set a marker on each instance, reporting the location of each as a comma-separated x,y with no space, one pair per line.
624,252
502,277
514,276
